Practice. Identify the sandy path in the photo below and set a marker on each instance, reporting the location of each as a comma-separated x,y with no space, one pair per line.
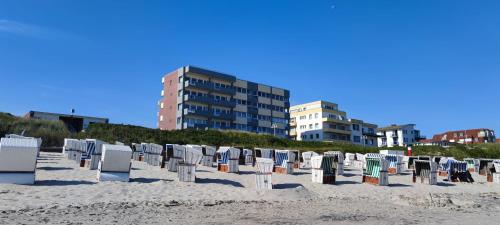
66,194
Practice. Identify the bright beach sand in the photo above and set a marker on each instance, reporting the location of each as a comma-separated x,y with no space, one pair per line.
67,194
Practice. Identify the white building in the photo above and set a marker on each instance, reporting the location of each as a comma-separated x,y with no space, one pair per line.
398,135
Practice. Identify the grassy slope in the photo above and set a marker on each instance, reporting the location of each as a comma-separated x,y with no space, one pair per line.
53,134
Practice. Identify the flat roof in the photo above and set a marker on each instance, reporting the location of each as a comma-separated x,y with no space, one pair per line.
67,115
394,127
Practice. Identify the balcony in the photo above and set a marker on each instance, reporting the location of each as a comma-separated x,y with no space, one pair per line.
198,112
209,100
211,87
224,116
394,135
333,130
332,120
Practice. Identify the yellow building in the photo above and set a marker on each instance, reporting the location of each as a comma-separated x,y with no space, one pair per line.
323,121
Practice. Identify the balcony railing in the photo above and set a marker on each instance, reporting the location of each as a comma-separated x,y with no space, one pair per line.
211,87
209,100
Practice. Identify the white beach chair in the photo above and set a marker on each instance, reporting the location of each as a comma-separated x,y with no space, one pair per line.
376,171
264,173
115,163
187,168
306,156
18,160
208,155
175,155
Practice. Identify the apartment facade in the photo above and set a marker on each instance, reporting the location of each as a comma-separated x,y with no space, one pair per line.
323,121
363,133
471,136
398,135
197,98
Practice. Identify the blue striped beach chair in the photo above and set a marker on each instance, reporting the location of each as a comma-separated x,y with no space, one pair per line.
339,161
284,161
228,159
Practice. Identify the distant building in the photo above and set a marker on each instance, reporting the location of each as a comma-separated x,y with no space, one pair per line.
466,136
323,121
398,135
363,133
196,98
498,140
74,123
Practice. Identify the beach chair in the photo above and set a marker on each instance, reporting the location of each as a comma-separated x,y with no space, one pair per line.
323,171
495,171
426,171
249,157
297,157
115,163
264,173
38,140
228,159
359,162
155,151
376,171
80,151
411,159
456,171
339,161
395,163
208,155
187,168
306,156
175,155
264,153
137,155
349,159
471,164
18,160
92,154
284,161
483,163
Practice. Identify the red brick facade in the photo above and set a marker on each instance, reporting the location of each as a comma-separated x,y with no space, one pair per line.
169,110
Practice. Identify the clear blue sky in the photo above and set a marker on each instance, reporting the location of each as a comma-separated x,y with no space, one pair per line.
432,63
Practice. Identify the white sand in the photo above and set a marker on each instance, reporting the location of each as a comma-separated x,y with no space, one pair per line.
67,194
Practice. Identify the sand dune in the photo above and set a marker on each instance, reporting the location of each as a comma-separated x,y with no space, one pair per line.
67,194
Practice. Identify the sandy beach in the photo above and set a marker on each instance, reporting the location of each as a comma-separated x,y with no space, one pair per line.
67,194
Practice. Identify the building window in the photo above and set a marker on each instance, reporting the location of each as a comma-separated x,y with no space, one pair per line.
161,105
310,126
311,136
356,139
317,136
161,118
316,125
310,116
355,127
316,115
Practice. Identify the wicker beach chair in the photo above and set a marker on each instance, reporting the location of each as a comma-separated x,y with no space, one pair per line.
323,169
228,159
376,171
284,161
115,163
306,156
18,160
264,173
426,171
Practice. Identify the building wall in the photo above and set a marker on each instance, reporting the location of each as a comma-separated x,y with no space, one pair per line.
402,136
167,118
320,121
210,99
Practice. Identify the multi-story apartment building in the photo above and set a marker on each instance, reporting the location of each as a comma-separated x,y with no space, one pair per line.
323,121
363,133
197,98
465,136
398,135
